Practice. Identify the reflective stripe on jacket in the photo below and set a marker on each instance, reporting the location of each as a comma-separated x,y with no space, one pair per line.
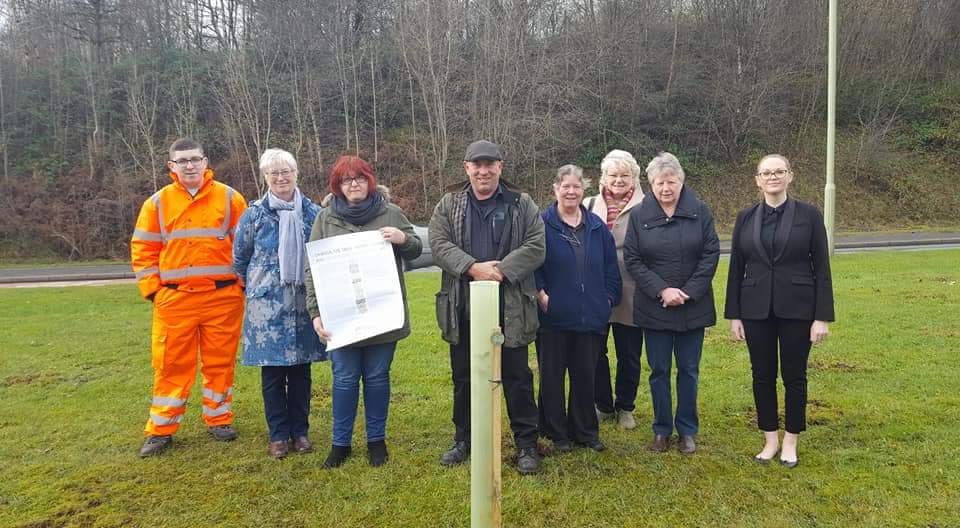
186,240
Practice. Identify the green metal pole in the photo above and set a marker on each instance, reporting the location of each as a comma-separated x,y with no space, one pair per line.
484,324
829,191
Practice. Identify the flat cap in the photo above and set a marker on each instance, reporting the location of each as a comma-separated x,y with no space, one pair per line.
483,150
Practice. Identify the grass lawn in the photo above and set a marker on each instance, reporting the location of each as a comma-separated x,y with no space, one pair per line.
53,262
881,450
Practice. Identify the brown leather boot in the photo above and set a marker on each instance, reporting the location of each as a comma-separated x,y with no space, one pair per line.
301,444
279,449
660,443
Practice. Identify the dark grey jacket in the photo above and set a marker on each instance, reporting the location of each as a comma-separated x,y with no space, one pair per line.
525,252
677,252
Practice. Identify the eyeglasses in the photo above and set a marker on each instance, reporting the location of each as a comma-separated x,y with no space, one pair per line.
570,238
353,179
183,162
284,173
779,173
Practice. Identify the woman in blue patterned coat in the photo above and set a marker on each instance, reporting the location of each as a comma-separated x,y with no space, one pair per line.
278,335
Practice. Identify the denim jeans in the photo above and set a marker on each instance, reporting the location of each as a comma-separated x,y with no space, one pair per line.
662,346
350,364
286,400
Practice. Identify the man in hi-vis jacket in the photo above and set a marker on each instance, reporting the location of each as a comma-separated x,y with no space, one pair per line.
182,252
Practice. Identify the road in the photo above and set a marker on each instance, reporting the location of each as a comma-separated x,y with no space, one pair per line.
78,275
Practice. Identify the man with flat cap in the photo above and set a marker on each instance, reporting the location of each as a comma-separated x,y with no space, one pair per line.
484,229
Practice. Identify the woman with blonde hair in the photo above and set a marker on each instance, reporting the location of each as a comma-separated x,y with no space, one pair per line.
619,193
780,299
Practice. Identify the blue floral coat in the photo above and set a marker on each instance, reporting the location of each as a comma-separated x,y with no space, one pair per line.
277,330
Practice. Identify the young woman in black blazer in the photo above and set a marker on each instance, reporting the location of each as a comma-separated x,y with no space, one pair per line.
779,292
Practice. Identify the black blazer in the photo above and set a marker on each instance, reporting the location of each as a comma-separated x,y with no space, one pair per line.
797,277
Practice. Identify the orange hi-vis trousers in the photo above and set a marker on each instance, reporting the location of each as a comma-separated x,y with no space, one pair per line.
185,324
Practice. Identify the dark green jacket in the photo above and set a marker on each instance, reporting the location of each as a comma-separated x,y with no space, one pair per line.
329,224
525,252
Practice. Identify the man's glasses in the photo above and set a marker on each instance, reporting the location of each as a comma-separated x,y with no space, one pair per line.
183,162
779,173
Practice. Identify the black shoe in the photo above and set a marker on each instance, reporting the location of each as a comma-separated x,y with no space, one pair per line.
457,454
687,445
562,446
528,461
377,453
155,444
594,444
338,454
223,433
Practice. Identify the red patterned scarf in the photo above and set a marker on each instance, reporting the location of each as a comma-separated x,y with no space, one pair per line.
614,206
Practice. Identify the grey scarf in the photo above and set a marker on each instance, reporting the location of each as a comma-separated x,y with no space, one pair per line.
291,249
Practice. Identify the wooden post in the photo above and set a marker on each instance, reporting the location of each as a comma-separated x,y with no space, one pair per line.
496,386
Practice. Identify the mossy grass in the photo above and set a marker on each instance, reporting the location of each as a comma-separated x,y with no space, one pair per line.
881,449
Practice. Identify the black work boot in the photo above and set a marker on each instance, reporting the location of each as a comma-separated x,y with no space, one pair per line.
337,456
528,461
223,433
457,454
155,444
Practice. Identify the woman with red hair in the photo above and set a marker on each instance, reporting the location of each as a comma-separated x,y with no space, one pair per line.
358,204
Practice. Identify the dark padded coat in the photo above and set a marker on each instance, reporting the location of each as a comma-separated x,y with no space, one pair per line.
681,251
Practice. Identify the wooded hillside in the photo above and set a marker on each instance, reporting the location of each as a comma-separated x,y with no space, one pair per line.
92,92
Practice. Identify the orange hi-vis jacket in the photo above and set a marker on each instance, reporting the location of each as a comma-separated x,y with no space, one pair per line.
186,240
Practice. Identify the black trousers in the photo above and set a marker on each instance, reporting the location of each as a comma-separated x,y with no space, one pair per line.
789,341
517,389
575,353
286,400
628,341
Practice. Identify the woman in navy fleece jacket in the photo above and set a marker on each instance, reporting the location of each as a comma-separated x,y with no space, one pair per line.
578,285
